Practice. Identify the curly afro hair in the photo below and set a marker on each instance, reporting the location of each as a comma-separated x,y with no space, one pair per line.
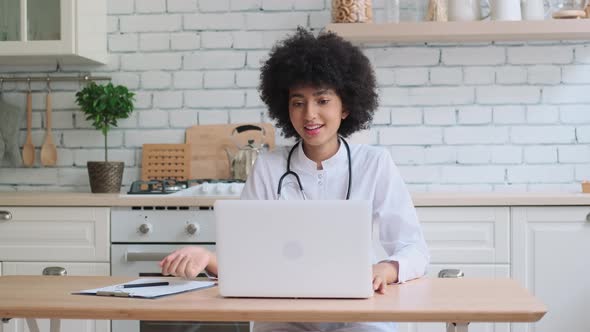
327,61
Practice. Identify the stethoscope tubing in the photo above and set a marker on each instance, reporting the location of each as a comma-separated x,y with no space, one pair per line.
290,172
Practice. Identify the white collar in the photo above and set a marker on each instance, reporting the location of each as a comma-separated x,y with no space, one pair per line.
302,162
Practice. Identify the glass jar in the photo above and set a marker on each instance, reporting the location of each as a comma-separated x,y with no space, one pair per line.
392,11
352,11
568,4
413,10
568,8
437,11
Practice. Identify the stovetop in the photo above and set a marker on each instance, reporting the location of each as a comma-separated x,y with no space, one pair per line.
199,187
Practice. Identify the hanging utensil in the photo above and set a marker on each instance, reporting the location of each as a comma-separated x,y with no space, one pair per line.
48,149
29,148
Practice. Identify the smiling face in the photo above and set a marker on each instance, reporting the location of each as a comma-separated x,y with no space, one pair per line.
316,114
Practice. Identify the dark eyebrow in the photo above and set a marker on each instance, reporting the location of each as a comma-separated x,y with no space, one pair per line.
315,94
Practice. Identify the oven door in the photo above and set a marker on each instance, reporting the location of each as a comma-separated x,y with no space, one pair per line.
141,260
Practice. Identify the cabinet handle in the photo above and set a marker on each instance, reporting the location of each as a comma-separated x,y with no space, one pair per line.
55,271
5,215
145,256
588,217
451,273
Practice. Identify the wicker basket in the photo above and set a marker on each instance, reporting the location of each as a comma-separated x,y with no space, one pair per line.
105,177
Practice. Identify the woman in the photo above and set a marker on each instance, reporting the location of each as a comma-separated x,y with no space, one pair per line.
320,90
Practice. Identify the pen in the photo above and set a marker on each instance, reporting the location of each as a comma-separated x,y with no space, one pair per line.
147,284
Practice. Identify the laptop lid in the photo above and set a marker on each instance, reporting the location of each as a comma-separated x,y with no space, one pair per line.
294,248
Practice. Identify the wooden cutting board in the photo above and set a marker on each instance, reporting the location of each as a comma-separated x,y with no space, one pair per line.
165,162
209,159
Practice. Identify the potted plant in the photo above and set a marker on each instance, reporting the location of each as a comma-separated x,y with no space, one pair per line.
103,105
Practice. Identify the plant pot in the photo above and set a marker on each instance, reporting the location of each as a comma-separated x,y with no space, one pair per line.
105,176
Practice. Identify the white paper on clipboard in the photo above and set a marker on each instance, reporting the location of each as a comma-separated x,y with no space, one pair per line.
175,286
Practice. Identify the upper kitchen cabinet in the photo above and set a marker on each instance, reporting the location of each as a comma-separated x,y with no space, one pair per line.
47,31
479,31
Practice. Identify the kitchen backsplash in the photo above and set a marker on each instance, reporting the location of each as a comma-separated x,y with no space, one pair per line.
510,116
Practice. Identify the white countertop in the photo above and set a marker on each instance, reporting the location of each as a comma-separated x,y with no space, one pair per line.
420,199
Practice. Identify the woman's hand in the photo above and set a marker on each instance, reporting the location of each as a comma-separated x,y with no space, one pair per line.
187,262
384,273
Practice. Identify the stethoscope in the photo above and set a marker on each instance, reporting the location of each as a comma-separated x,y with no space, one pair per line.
290,172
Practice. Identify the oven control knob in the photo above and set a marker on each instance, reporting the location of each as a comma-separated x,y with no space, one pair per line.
145,228
192,229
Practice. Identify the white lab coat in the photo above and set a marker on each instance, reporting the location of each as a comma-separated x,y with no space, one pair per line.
374,177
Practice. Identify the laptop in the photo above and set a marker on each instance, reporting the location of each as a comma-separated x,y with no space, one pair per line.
294,249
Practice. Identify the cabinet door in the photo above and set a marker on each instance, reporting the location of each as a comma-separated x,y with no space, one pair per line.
67,325
549,258
470,271
10,20
55,234
41,26
2,324
473,235
46,31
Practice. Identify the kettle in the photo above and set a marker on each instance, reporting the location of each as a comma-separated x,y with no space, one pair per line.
241,162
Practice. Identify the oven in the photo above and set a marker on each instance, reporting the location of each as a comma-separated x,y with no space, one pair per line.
142,235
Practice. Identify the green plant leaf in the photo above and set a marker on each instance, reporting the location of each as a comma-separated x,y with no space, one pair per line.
103,105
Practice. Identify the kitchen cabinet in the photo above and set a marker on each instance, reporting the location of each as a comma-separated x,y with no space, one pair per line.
46,31
75,238
475,240
477,31
67,325
472,235
72,234
549,258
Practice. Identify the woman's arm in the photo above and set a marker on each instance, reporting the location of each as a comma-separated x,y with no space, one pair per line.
400,232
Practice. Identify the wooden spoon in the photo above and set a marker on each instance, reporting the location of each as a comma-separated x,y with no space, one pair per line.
29,148
48,150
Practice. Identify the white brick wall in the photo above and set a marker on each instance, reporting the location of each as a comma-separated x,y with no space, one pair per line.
469,117
181,5
150,23
473,56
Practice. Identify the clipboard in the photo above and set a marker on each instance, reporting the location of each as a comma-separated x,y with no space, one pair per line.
175,286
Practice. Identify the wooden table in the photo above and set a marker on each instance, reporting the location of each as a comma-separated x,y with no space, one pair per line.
454,301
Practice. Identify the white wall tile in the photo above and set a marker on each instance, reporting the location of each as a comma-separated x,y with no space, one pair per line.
470,56
540,55
446,76
150,6
219,79
156,80
215,60
154,42
150,23
185,41
213,5
479,75
124,42
174,6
